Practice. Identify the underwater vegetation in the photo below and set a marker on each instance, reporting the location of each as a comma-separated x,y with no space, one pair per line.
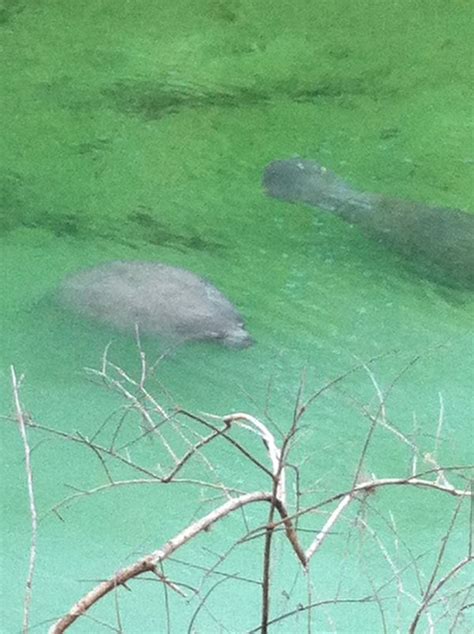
140,225
9,9
155,99
160,97
147,228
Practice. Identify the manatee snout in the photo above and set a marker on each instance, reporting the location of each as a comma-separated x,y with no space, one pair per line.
238,338
158,299
286,179
306,181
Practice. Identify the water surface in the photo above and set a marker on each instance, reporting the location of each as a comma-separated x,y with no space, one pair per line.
136,131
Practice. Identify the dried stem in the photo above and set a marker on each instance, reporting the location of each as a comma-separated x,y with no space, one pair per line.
326,530
429,596
151,561
22,424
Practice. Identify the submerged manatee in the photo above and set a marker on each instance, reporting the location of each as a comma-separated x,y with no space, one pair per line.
159,299
441,239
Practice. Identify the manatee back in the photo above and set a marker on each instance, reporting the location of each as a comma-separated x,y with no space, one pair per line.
158,298
440,241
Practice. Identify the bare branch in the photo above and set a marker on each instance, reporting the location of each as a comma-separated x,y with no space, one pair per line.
149,563
166,582
444,544
203,601
381,413
274,452
316,604
233,442
471,520
183,439
371,485
137,481
429,596
22,424
117,610
463,605
192,451
326,530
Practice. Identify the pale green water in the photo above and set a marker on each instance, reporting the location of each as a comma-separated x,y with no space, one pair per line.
138,131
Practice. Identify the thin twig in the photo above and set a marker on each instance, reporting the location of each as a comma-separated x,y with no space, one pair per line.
233,442
370,486
326,530
183,443
444,544
429,596
212,570
151,561
203,601
316,604
274,452
122,483
458,614
117,610
471,520
22,423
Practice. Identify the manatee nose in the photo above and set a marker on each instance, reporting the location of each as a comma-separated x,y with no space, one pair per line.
239,340
281,179
247,342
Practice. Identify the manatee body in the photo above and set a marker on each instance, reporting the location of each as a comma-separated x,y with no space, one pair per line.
441,239
159,299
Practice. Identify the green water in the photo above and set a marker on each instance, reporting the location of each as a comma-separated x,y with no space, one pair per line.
140,130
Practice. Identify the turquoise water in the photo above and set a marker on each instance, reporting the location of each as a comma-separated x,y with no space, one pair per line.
141,131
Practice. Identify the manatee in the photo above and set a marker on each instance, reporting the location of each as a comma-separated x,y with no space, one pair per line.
440,239
159,299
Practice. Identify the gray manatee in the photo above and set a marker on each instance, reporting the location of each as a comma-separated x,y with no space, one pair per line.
441,239
159,299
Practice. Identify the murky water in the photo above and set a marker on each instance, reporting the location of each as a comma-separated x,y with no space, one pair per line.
135,131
